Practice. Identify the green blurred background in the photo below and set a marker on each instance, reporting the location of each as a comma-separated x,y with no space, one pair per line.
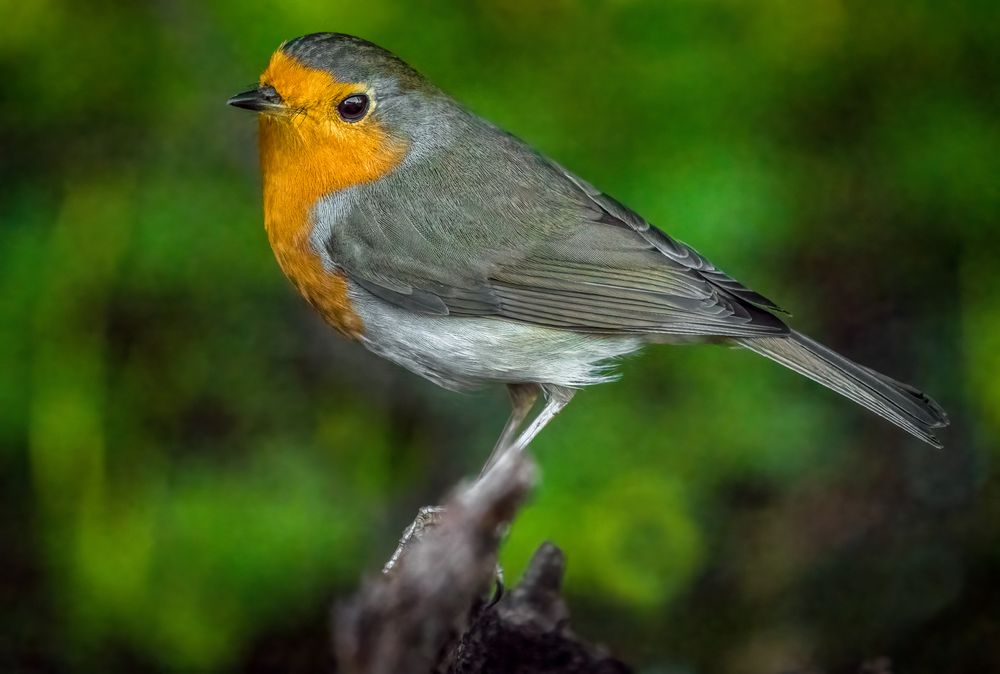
194,467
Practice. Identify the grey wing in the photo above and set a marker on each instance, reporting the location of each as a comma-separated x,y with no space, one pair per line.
615,213
547,249
602,279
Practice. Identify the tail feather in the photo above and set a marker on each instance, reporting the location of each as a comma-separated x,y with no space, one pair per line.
903,405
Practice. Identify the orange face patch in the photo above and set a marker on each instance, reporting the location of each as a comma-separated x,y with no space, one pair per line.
306,153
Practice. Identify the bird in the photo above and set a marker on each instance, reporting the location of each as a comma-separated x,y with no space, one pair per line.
454,249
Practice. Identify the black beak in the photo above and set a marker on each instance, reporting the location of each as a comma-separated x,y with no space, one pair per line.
259,100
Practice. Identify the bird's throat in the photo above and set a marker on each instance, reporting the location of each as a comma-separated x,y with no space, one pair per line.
299,167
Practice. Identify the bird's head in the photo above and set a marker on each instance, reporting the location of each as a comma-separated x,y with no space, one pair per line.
336,109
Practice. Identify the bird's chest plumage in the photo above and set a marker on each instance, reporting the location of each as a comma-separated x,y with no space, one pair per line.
298,170
288,228
326,291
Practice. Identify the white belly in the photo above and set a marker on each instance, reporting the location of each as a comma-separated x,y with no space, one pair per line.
460,353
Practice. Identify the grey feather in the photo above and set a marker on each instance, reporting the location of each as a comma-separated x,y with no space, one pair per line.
676,250
903,405
484,226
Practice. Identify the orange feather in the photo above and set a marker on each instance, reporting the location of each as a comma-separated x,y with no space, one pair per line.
306,153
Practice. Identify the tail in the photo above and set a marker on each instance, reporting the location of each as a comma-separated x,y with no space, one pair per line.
899,403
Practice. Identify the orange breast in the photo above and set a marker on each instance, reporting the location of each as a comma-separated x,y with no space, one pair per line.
288,201
305,157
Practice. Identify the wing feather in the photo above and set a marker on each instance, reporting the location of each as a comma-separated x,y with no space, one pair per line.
443,237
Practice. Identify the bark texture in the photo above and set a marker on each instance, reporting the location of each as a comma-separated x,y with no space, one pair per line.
430,611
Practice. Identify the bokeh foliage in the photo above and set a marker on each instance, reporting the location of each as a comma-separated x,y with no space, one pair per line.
193,466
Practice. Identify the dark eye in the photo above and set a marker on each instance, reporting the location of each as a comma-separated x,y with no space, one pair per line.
353,108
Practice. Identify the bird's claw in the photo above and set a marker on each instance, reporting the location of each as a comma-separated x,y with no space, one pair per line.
426,518
498,587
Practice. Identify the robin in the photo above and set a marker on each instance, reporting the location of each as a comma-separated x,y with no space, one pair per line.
457,251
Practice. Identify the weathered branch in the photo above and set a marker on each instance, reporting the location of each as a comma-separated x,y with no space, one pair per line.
427,612
528,631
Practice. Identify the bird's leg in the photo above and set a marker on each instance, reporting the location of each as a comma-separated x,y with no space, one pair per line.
522,399
556,398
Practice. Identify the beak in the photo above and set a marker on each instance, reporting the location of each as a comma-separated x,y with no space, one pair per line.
257,100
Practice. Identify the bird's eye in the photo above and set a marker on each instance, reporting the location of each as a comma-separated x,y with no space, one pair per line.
353,108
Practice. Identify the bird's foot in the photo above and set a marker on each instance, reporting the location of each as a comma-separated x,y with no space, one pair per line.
427,518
